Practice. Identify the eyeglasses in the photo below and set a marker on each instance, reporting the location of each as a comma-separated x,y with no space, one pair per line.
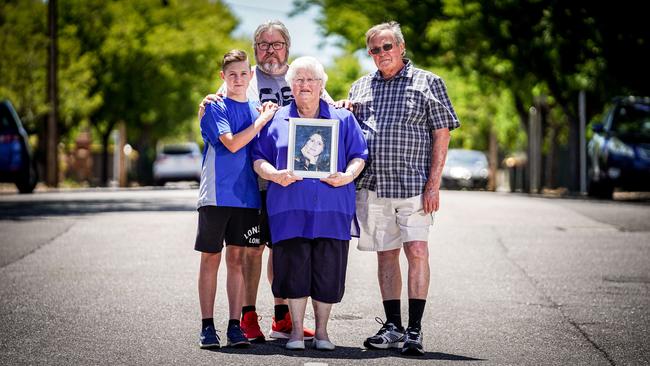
276,45
306,81
386,47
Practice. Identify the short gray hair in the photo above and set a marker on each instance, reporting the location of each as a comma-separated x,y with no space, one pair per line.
306,63
391,26
272,25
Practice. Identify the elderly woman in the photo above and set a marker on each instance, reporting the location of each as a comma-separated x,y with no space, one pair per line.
310,219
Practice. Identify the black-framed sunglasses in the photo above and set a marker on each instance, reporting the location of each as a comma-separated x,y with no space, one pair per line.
386,47
276,45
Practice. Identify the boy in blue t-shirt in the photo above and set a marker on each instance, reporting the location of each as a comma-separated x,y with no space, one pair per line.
229,199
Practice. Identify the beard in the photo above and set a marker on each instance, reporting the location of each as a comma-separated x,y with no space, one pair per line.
273,65
272,68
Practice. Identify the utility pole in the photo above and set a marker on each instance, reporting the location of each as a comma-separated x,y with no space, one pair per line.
52,132
582,112
535,150
123,167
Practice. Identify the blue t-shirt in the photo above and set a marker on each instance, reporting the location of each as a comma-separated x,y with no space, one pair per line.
227,179
310,208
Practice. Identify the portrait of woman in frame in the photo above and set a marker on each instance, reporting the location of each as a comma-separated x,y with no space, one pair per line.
312,148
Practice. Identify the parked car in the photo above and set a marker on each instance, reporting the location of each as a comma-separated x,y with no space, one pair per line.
177,162
17,163
619,151
465,169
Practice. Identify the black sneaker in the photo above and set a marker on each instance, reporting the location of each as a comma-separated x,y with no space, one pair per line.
236,337
209,338
389,336
413,344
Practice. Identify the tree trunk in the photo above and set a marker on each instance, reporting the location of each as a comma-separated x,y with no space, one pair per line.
522,111
551,181
566,99
543,110
574,154
573,144
145,158
493,154
105,138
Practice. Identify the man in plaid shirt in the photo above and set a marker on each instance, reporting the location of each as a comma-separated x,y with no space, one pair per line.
406,116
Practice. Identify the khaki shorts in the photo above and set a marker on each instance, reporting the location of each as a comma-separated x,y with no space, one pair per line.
387,223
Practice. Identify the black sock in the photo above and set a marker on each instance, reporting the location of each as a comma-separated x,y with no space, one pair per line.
416,309
232,322
246,309
207,322
393,311
281,311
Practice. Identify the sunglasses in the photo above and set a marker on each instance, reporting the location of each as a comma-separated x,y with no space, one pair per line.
386,47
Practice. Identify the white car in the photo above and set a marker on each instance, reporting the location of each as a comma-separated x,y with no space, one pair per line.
465,169
177,162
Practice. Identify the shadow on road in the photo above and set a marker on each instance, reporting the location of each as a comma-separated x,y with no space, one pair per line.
342,353
25,210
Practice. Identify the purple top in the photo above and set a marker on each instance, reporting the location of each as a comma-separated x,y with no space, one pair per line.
310,208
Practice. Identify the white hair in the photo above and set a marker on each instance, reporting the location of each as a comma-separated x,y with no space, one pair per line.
310,64
391,26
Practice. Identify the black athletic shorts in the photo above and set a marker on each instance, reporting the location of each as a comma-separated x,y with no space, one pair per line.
236,225
265,231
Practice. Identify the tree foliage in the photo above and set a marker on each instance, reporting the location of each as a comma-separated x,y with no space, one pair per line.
23,67
154,60
536,50
568,46
23,40
480,105
345,70
144,63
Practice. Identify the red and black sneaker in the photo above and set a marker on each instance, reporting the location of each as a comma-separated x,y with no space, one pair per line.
251,327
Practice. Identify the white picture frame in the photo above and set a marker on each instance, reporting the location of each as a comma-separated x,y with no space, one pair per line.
304,137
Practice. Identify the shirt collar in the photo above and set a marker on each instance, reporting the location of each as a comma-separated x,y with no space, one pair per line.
405,72
323,110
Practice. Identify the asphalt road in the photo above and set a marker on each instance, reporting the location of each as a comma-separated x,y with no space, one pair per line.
109,277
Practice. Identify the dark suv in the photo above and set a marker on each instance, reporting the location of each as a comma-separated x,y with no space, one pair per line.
16,160
619,151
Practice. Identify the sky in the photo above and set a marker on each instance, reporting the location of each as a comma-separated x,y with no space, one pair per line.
305,39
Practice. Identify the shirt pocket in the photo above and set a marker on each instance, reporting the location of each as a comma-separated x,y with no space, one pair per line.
415,107
364,111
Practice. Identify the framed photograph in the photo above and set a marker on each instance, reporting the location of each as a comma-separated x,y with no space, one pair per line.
313,147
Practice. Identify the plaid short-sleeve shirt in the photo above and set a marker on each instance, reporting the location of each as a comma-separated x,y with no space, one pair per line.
397,117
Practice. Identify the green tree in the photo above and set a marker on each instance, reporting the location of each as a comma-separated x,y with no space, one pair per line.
481,106
341,75
153,61
144,63
530,48
24,41
483,111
